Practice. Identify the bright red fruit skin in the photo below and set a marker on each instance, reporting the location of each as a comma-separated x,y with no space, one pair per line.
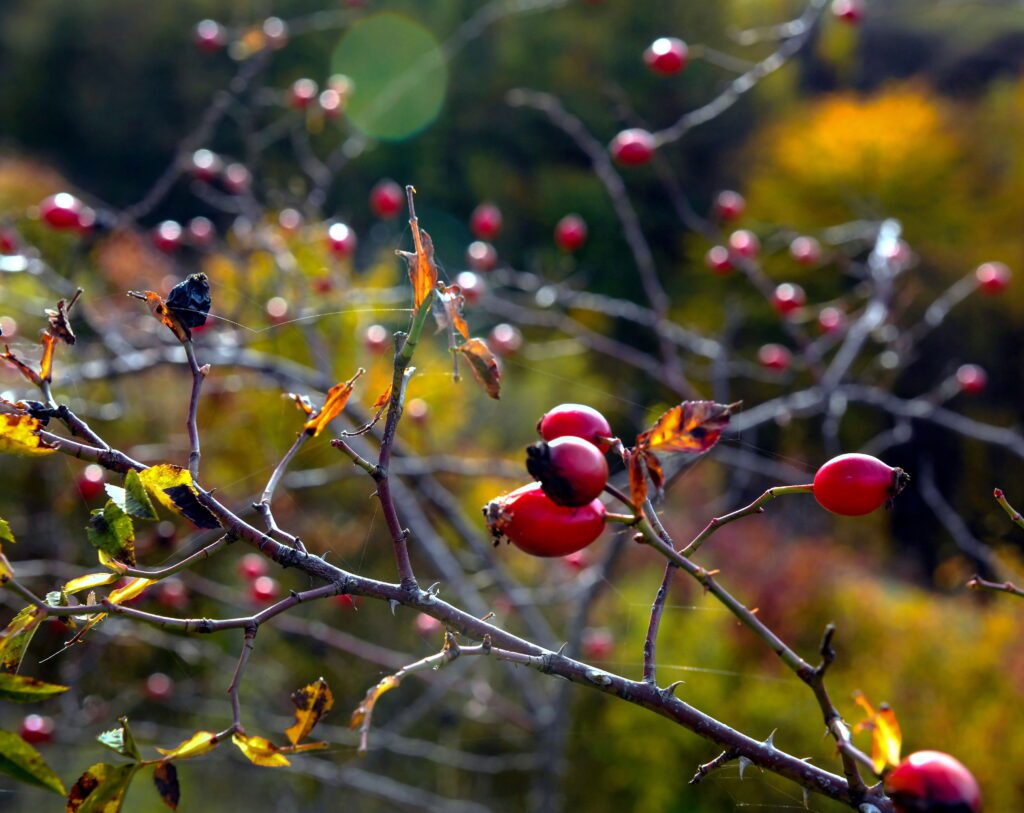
717,259
993,278
347,601
632,148
341,240
933,782
729,205
745,244
36,729
805,250
666,55
485,221
774,357
263,590
536,525
386,199
852,485
205,165
788,298
252,566
571,233
90,484
427,624
571,470
575,420
61,211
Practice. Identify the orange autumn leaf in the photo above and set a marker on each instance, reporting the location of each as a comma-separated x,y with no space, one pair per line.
46,365
382,399
483,365
692,427
422,269
453,300
22,367
160,311
637,479
886,738
337,397
301,402
365,710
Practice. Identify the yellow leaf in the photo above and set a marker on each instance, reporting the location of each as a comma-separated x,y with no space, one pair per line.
46,365
337,397
18,436
484,366
692,426
16,636
311,703
133,588
886,738
88,582
365,708
173,487
109,561
202,742
260,751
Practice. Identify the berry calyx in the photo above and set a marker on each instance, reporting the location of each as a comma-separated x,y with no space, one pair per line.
571,233
933,782
852,485
788,298
252,566
993,278
535,524
341,240
90,484
729,205
633,147
717,259
62,211
805,250
302,93
485,221
774,357
481,256
849,11
37,729
744,243
167,236
576,420
571,470
386,199
971,379
666,55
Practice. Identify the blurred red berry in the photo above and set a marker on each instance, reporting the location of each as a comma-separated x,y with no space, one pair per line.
201,232
290,220
718,260
505,339
172,594
237,178
205,165
472,286
427,624
37,729
485,221
276,32
775,357
417,410
8,241
62,211
264,590
90,484
386,199
633,147
788,298
849,11
575,561
744,243
481,256
571,233
302,93
972,379
167,236
209,35
598,644
159,687
830,319
729,205
805,250
252,566
377,339
666,55
347,601
341,240
993,278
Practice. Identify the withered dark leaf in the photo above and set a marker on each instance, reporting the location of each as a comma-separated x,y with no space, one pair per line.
189,300
165,777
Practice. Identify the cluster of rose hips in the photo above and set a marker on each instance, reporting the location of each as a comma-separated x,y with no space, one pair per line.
561,513
263,589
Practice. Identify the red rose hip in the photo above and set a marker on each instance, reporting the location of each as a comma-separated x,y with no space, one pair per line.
933,782
481,256
993,278
537,525
633,147
774,357
485,221
386,199
37,729
571,470
571,233
788,298
971,379
745,244
666,55
805,250
575,420
341,240
717,259
61,211
852,485
729,205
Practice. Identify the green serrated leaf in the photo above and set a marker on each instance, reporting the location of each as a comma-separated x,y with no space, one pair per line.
16,636
101,789
121,741
22,689
111,530
5,532
26,764
116,494
137,502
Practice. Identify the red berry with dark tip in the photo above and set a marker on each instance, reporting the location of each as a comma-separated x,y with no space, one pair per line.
632,148
852,485
788,298
744,243
386,199
537,525
575,420
481,256
485,221
849,11
252,566
971,379
571,233
805,250
718,260
341,240
774,357
729,205
571,470
666,55
37,729
933,782
993,278
61,211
